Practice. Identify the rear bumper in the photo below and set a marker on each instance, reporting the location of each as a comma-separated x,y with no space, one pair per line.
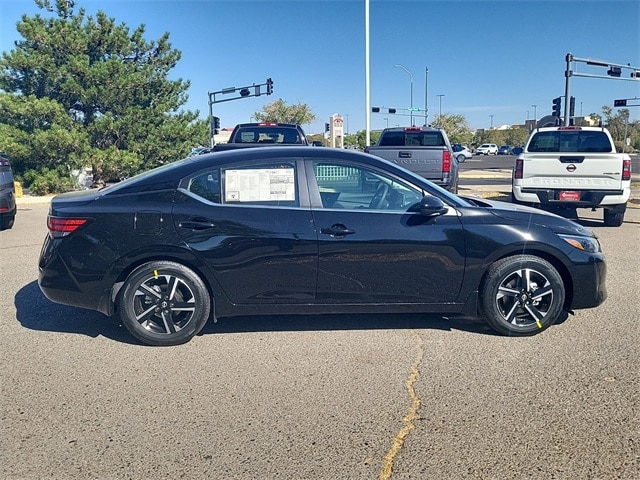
588,198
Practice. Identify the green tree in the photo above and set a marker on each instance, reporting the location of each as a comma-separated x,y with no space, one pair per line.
79,91
278,111
456,127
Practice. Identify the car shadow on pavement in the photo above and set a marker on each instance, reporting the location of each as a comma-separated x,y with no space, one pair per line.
361,321
35,312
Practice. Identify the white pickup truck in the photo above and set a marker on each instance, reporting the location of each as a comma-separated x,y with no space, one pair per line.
575,167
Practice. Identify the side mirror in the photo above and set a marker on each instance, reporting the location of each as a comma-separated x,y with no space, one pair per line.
431,206
517,151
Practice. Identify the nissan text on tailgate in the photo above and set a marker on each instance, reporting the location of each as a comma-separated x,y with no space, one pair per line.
574,167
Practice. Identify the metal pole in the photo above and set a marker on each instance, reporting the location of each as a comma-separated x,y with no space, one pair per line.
411,80
366,75
426,97
567,88
535,112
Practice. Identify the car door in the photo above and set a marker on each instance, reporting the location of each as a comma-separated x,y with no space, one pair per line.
374,246
251,224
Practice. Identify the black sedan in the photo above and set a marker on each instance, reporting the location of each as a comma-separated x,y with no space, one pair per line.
309,230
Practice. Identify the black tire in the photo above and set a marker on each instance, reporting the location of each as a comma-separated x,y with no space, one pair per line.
613,218
164,303
521,295
461,158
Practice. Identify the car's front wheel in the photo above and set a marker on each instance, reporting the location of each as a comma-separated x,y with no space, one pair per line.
164,303
521,295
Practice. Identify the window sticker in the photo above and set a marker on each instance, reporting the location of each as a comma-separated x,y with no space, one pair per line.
260,185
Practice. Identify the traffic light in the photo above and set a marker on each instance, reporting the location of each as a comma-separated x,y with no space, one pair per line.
620,103
245,92
614,72
326,127
635,74
557,107
572,107
269,86
215,125
392,110
375,109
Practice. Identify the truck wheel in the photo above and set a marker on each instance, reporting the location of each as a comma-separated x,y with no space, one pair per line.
521,295
613,218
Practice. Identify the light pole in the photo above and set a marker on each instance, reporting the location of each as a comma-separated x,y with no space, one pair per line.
491,117
535,112
386,120
440,98
411,79
426,97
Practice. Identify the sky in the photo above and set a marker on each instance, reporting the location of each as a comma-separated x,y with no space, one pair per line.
494,62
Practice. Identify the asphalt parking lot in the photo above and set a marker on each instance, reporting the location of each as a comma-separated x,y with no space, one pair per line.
319,397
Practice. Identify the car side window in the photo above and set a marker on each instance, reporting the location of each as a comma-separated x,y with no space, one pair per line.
272,184
345,186
206,185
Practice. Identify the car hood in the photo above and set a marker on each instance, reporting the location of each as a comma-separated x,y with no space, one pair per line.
524,214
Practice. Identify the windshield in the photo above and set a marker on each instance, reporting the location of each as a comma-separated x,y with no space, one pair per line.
570,141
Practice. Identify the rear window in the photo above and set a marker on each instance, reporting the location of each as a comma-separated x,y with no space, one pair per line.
570,141
412,139
275,135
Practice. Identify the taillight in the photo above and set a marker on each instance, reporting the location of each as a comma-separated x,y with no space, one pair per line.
61,226
517,170
626,168
446,161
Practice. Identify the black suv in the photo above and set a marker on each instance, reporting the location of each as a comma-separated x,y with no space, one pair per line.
7,195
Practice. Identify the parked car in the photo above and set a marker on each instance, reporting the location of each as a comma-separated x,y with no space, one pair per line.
461,152
487,149
309,230
7,195
505,150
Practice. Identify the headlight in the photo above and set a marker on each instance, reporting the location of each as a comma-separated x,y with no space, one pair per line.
587,244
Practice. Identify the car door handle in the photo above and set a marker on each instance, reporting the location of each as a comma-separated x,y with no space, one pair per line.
337,230
197,224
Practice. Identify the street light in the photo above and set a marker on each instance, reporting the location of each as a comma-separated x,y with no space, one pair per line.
426,96
491,117
440,98
535,114
411,79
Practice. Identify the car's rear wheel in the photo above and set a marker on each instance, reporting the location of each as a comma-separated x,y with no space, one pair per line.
164,303
521,295
613,218
461,158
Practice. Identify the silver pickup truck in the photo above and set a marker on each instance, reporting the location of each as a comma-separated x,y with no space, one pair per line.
573,167
423,150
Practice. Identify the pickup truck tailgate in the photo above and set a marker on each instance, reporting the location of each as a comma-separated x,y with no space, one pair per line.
593,171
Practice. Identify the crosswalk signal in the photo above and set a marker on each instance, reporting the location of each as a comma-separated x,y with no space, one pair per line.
269,86
556,107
